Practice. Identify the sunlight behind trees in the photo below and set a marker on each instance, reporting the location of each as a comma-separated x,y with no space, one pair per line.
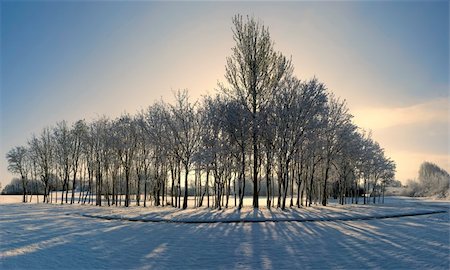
291,136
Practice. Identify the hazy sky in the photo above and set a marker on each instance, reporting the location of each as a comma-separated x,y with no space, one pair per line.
74,60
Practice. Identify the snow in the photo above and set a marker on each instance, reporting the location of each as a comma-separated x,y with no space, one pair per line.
352,236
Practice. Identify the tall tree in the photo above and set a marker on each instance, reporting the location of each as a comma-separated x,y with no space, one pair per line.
253,72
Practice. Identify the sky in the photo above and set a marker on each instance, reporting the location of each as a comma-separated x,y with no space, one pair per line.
81,60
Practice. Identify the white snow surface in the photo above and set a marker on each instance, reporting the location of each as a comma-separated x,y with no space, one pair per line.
403,233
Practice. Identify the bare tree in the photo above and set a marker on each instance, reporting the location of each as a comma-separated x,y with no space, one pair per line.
43,150
253,73
17,164
63,151
77,133
237,126
126,132
162,149
184,123
337,120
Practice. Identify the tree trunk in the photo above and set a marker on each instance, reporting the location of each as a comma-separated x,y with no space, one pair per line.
185,199
365,182
138,191
292,188
255,173
242,178
311,185
325,195
72,199
255,155
172,174
268,180
24,190
67,185
285,185
207,184
127,184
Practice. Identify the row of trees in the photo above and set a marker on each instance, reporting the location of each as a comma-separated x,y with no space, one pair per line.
15,187
290,140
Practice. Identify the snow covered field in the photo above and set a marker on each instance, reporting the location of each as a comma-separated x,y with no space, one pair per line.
403,233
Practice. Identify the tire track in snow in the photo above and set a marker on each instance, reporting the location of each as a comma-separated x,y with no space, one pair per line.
260,220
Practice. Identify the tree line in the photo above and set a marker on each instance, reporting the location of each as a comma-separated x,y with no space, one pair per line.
265,132
432,181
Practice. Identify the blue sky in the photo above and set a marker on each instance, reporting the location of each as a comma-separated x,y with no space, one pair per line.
73,60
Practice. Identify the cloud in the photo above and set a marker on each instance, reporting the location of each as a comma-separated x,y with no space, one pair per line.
410,135
435,111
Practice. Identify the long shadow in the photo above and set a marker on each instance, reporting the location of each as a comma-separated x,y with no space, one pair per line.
54,240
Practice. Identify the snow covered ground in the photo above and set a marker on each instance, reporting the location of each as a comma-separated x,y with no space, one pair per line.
403,233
